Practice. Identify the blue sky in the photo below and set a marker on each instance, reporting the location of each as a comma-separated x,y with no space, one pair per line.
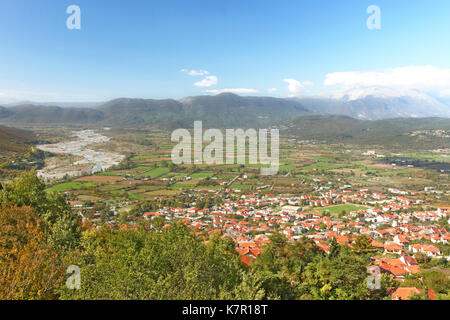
138,48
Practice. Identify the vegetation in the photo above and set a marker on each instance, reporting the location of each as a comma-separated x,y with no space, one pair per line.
30,266
28,190
123,255
17,153
39,239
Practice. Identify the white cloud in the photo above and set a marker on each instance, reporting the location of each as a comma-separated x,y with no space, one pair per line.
232,90
294,86
208,81
271,90
445,93
195,72
419,77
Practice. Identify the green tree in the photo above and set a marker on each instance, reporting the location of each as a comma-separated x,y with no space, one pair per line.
363,244
171,264
342,277
437,281
422,258
29,190
335,248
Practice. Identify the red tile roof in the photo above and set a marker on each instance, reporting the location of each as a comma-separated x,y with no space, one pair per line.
405,293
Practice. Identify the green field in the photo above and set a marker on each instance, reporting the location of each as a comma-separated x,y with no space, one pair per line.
155,172
335,165
71,185
335,210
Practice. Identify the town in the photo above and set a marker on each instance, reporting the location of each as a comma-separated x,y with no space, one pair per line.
403,228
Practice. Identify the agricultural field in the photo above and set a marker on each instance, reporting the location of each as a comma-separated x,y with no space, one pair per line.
147,172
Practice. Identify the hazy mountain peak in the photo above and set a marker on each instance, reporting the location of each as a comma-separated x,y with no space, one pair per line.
377,92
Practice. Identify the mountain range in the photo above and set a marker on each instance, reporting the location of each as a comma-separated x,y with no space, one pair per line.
378,103
231,110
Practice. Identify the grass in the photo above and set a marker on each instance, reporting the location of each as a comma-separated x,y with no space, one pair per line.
71,185
112,173
335,210
162,193
426,156
141,168
201,175
129,195
156,172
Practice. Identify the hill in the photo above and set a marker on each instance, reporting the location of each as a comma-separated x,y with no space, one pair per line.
14,141
223,110
390,132
231,110
135,112
29,113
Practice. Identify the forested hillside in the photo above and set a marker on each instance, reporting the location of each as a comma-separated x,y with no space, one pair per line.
14,140
413,132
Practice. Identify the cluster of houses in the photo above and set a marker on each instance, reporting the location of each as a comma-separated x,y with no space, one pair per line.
252,219
397,233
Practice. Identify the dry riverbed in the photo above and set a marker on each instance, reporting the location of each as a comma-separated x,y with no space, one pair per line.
78,160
